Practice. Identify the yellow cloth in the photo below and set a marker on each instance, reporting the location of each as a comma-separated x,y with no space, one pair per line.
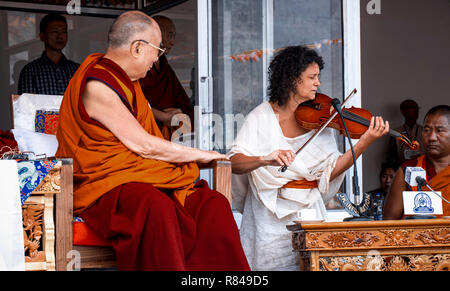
101,162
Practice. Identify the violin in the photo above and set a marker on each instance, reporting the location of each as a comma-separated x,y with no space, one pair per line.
313,114
320,114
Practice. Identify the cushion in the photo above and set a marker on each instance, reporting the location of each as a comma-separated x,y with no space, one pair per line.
83,235
36,142
46,121
26,105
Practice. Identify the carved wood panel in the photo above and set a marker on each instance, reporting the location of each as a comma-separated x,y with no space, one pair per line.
419,245
355,239
421,262
33,230
38,223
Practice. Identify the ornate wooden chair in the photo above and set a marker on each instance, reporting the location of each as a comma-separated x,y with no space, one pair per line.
69,256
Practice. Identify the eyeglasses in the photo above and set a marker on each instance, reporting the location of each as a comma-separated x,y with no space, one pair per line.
161,51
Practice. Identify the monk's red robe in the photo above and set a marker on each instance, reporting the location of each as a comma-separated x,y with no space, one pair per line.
438,181
153,213
163,90
7,142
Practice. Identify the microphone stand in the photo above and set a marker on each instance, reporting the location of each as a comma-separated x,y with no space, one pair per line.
358,209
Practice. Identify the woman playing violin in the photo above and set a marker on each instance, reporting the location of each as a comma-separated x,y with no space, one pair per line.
270,199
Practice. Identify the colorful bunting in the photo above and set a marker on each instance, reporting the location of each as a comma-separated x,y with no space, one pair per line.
255,55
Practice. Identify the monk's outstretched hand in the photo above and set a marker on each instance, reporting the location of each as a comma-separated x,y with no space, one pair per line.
208,156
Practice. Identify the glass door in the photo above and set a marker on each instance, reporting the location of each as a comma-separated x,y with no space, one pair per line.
236,42
232,73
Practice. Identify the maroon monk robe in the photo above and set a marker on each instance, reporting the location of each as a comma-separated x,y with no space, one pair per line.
163,90
7,142
150,230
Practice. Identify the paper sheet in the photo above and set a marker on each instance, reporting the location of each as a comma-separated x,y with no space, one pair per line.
12,257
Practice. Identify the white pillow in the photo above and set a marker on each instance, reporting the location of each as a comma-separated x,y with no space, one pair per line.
36,142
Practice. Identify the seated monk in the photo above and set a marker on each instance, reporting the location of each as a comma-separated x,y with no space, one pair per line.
131,186
436,139
162,88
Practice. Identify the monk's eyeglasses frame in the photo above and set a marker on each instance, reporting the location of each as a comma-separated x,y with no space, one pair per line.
161,51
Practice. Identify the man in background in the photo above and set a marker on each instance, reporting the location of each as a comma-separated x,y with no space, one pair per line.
398,152
49,74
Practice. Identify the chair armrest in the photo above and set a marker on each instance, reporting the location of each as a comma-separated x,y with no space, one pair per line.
221,176
64,216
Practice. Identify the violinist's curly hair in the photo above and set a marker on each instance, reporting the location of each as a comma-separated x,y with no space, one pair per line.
285,70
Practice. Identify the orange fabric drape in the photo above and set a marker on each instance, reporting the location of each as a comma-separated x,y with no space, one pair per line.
301,184
101,162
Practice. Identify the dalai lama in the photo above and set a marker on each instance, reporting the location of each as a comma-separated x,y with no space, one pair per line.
131,186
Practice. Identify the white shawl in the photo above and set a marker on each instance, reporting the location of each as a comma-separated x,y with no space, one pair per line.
260,135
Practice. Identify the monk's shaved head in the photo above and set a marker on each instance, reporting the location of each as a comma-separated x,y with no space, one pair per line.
443,110
126,26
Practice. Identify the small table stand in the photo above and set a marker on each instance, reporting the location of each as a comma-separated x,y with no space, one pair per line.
392,245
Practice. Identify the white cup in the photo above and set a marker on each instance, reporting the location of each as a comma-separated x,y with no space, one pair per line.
307,214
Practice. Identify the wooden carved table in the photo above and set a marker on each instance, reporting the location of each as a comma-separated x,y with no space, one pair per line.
42,217
38,223
392,245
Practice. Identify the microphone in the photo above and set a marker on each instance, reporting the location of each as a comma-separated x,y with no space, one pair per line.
421,181
417,176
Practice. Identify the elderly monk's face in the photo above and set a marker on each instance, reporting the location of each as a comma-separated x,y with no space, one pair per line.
436,136
147,53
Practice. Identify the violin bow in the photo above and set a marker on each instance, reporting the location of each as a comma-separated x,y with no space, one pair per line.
284,168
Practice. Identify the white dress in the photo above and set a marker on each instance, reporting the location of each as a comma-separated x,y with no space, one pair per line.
266,207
